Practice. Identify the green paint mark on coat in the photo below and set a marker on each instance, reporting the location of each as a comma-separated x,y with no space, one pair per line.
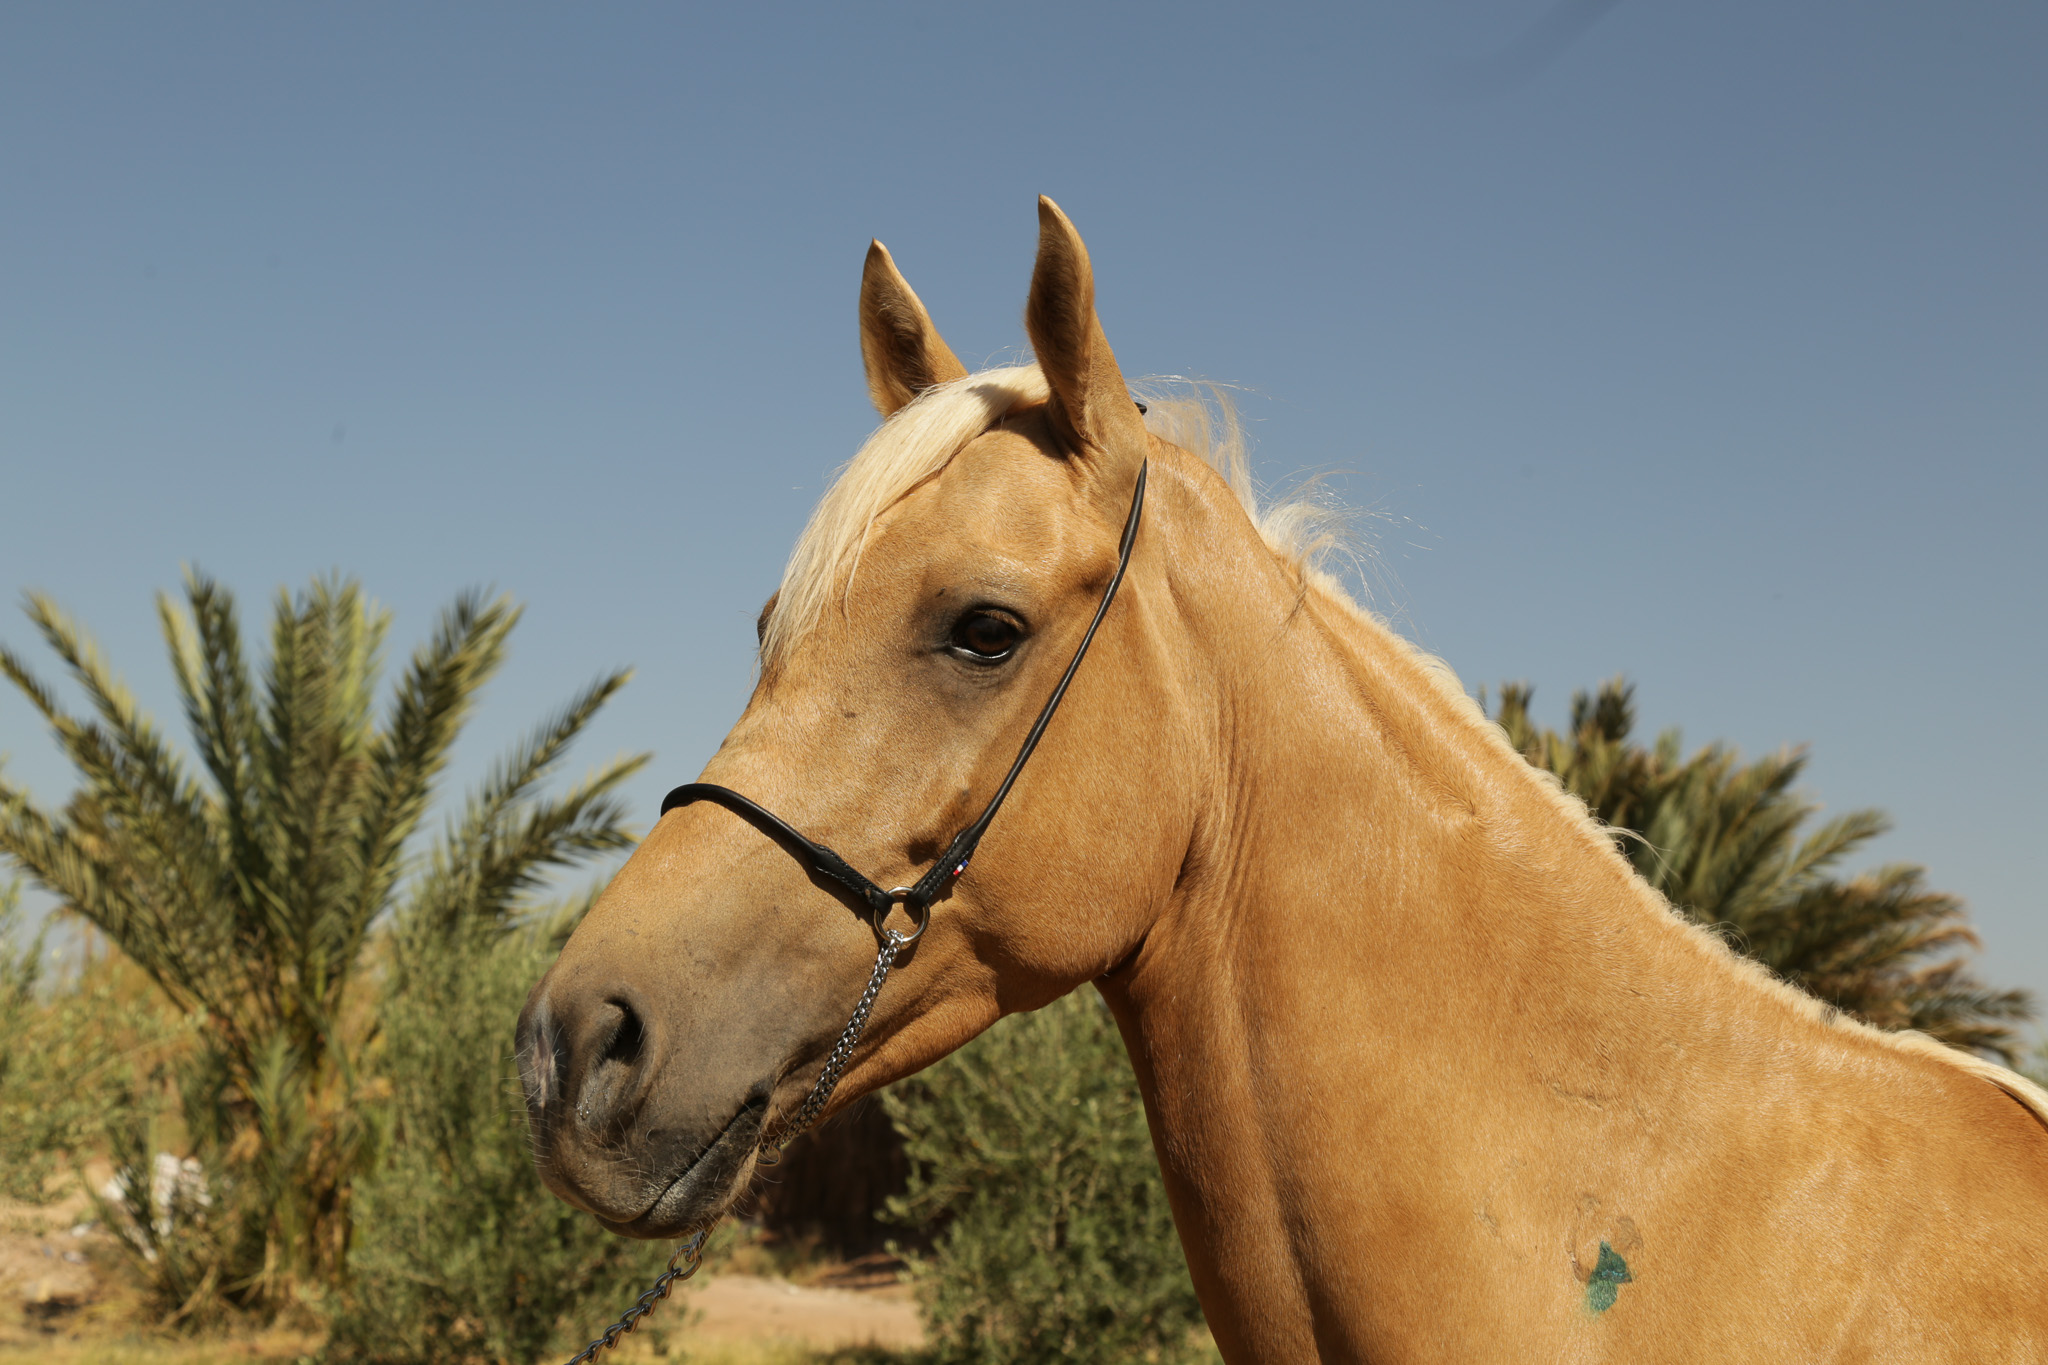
1608,1277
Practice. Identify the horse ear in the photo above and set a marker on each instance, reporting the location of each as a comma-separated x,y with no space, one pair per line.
903,352
1090,409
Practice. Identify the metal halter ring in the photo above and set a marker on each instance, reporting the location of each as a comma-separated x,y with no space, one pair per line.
915,906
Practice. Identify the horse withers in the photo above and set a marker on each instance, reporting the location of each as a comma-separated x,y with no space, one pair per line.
1432,1074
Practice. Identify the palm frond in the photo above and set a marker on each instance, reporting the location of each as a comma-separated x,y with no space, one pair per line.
216,691
481,871
136,806
432,702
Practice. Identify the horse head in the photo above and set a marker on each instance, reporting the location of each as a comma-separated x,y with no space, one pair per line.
931,606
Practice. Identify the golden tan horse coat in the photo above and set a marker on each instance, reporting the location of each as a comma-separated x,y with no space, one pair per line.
1432,1075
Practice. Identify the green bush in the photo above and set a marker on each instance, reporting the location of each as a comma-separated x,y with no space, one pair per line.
32,1129
174,1215
460,1254
78,1050
1030,1153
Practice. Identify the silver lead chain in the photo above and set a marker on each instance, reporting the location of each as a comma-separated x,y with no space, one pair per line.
689,1255
814,1103
681,1266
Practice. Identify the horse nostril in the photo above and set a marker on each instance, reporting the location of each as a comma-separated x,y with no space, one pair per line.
595,1068
607,1098
627,1039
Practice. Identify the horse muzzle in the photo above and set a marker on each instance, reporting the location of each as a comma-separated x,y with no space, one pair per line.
620,1129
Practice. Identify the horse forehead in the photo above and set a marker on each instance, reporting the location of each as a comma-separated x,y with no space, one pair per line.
1004,484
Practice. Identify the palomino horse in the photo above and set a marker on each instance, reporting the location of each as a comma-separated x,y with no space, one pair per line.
1431,1073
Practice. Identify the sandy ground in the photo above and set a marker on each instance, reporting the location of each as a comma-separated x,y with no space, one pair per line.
731,1309
44,1272
47,1281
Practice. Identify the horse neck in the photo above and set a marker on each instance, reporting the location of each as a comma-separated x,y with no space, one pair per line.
1390,936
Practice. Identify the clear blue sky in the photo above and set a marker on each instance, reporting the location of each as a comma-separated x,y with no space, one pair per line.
1702,342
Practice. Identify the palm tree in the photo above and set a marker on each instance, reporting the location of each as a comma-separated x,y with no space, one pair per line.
247,889
1721,839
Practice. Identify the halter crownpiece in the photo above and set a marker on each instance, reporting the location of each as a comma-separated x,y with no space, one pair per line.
916,900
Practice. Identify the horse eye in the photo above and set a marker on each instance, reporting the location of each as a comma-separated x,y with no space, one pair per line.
985,636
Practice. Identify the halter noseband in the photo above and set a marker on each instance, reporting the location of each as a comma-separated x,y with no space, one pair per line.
916,899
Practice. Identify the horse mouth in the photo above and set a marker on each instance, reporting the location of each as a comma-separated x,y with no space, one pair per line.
700,1191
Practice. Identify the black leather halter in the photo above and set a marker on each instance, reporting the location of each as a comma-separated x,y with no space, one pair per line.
917,899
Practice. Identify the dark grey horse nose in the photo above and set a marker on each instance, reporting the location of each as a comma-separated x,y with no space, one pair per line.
585,1066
